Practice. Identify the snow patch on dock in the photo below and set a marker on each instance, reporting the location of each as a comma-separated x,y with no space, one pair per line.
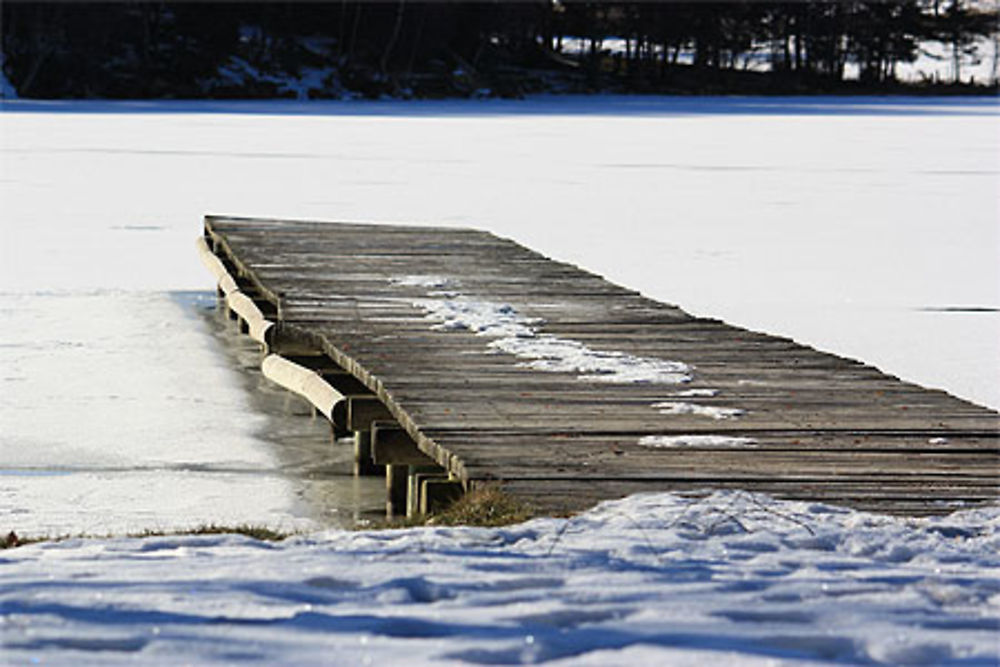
682,408
518,335
675,441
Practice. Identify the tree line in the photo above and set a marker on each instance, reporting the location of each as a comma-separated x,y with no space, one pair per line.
438,49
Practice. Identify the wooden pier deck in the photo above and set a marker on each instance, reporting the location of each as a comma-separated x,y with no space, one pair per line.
458,358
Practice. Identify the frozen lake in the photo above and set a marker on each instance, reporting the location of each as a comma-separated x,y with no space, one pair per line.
865,227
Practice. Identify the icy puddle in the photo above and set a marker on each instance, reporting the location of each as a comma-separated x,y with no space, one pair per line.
124,411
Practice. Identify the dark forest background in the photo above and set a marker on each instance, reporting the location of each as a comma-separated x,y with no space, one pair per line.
402,48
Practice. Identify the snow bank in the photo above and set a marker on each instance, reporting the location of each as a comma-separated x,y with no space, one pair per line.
655,579
240,74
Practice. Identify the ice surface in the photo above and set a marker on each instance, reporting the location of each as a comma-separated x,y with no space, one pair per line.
867,227
731,578
129,411
832,221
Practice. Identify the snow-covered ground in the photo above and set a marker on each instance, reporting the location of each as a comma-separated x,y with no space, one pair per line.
867,227
651,580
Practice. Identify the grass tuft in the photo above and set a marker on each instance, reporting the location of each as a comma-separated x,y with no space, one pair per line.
485,506
256,532
12,540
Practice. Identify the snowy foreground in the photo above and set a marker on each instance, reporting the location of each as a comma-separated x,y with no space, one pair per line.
657,579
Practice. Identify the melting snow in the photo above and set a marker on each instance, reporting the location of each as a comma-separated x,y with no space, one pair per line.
421,281
696,393
668,441
679,408
517,335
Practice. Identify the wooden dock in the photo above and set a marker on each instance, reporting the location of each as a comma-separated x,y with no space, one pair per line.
457,358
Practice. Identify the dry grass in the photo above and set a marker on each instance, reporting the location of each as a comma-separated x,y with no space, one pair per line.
256,532
485,506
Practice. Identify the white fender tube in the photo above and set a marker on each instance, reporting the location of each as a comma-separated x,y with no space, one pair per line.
239,302
303,381
216,267
244,306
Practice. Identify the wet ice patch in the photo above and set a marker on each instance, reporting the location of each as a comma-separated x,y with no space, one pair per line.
680,408
517,335
672,441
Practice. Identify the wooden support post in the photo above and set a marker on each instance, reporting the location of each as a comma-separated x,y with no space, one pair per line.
363,410
338,432
391,445
344,382
396,481
417,475
437,493
363,465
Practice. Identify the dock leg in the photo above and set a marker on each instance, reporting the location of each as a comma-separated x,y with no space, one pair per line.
363,464
437,493
413,477
415,486
396,484
336,433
